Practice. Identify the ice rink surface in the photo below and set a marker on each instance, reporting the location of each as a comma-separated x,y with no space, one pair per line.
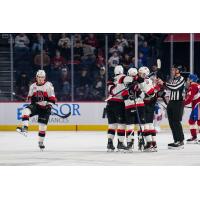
88,148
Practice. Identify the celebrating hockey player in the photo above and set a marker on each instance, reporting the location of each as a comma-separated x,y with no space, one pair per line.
134,107
116,110
41,94
149,100
160,93
193,97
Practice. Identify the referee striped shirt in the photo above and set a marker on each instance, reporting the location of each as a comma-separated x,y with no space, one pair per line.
176,87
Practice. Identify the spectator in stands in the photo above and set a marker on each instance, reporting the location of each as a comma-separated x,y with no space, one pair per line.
22,85
100,79
113,60
92,40
88,50
122,41
130,37
38,43
130,49
21,42
64,44
78,51
64,41
77,38
42,59
82,89
89,59
144,49
84,78
126,61
132,64
100,61
66,88
50,44
141,39
21,51
141,59
99,85
116,48
58,61
82,93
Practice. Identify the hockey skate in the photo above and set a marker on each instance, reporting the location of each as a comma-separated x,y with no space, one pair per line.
41,146
192,140
176,145
121,147
22,130
148,147
110,146
141,144
130,146
154,146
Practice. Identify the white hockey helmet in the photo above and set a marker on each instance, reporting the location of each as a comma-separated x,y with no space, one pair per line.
118,70
132,72
144,71
41,73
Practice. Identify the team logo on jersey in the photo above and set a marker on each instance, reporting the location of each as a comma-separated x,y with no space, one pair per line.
40,95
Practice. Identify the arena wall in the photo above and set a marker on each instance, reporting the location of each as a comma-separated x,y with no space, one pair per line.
85,116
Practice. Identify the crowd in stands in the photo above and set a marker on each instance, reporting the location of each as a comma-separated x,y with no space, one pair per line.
53,52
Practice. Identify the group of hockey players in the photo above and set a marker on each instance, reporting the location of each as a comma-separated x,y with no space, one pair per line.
131,102
132,106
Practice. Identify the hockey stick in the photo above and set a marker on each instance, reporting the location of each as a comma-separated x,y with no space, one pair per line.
62,116
140,136
117,93
52,113
162,105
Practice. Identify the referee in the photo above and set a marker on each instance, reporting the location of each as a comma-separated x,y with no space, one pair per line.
175,107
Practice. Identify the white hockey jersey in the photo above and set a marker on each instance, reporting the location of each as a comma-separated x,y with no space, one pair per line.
148,88
116,87
44,94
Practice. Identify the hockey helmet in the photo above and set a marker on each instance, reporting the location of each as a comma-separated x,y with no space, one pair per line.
193,77
144,71
132,72
118,70
41,73
179,67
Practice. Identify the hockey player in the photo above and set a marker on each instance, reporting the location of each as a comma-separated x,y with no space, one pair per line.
193,96
149,101
133,100
158,112
116,110
41,94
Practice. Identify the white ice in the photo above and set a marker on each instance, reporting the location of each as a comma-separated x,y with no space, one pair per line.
87,148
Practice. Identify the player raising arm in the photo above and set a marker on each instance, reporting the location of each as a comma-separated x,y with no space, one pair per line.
41,94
